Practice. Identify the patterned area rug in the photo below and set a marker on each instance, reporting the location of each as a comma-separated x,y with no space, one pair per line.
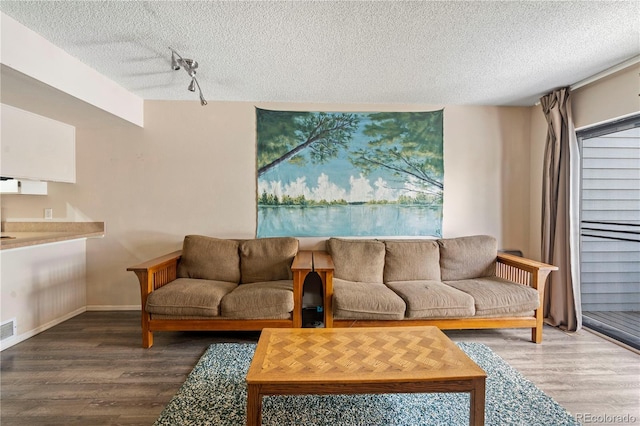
215,393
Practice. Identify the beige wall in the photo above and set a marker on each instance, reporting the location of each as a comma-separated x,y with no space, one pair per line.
614,96
611,97
192,170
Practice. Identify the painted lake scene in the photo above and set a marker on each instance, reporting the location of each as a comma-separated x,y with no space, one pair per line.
326,174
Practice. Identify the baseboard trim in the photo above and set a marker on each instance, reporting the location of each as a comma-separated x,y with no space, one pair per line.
99,308
24,336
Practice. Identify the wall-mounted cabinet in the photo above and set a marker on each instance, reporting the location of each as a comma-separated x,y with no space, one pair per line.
29,187
36,147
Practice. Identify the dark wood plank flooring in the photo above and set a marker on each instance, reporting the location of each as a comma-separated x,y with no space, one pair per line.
621,326
91,370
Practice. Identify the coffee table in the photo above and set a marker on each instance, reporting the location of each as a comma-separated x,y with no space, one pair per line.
363,360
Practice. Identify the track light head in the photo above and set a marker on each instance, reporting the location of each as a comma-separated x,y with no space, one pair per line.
189,66
174,62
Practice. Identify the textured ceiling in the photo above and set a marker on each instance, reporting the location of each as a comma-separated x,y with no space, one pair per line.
433,52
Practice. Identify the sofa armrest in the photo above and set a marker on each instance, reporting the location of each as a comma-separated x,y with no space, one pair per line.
152,275
527,272
523,271
155,273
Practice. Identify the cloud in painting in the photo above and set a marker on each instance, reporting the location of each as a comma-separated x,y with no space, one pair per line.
360,189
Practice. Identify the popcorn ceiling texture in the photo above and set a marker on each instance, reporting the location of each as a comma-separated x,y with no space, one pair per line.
438,52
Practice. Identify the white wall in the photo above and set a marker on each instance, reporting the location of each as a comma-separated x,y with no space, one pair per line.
192,169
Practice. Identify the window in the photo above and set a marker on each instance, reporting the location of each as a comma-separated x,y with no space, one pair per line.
610,229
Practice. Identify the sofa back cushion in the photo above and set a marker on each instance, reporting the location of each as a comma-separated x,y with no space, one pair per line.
209,258
357,260
468,257
267,259
410,260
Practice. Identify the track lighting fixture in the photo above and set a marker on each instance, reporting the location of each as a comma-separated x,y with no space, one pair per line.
189,66
174,62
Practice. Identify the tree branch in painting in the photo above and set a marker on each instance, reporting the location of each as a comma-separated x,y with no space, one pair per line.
409,145
284,137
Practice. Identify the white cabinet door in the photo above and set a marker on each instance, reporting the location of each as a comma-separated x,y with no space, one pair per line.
36,147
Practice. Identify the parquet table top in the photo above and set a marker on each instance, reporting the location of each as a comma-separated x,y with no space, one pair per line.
376,354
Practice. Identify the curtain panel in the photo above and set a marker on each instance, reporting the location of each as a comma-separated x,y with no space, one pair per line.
560,212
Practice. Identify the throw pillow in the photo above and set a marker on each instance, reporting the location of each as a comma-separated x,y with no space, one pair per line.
410,260
468,257
357,260
208,258
267,259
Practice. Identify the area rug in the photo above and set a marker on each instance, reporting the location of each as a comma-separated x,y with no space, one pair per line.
215,393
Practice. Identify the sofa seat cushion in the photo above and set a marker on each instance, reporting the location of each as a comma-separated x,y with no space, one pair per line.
267,259
209,258
497,296
189,297
357,260
263,300
409,260
433,299
468,257
365,301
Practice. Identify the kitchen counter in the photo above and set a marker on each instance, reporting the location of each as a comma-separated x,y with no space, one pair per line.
25,234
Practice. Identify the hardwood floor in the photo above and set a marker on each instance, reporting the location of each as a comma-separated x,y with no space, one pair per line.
92,370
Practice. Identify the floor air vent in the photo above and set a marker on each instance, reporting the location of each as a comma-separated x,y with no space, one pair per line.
8,329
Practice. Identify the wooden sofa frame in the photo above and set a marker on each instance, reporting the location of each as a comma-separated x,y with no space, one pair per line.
157,272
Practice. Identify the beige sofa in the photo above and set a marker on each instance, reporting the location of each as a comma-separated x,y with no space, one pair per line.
451,283
218,284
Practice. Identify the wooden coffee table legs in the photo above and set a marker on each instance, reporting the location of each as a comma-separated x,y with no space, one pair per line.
476,413
476,388
254,405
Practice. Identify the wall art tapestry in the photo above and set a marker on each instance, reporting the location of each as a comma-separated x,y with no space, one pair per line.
326,174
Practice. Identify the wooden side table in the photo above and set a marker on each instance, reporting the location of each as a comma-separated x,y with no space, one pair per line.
320,262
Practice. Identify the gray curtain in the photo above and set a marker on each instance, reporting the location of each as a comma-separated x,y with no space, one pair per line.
560,212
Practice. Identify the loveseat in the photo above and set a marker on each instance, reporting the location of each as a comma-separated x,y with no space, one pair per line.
452,283
222,284
218,284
